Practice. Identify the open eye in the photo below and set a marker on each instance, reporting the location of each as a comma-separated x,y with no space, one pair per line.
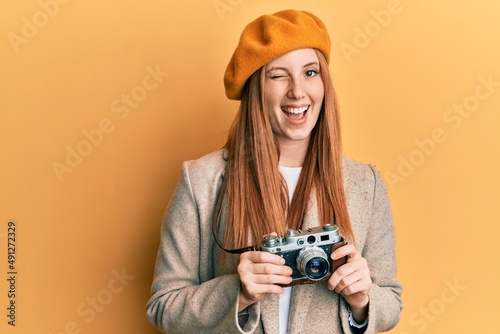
311,73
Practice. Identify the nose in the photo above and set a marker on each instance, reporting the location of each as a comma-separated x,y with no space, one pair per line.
296,90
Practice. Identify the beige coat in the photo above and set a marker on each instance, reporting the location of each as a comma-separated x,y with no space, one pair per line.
192,293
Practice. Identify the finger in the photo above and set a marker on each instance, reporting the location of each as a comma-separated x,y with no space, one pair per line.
262,257
347,269
346,281
254,284
264,273
270,269
265,279
348,250
350,282
361,287
339,274
265,268
255,291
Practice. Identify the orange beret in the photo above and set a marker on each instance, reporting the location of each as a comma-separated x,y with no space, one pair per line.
270,37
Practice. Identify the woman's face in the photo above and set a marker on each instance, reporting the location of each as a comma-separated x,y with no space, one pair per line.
294,93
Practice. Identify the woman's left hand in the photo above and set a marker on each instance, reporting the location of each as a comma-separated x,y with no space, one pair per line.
352,280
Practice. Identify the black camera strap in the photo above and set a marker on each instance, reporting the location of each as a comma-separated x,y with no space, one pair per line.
216,218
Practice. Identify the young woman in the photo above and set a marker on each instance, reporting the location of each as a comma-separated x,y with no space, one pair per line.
281,168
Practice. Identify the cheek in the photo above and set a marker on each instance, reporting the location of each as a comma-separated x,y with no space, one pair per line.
273,93
270,106
273,120
319,93
273,104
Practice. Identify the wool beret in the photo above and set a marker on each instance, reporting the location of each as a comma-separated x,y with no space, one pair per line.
269,37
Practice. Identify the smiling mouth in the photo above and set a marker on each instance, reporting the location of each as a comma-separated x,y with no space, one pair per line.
295,113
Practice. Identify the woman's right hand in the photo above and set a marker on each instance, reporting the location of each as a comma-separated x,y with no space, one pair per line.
260,272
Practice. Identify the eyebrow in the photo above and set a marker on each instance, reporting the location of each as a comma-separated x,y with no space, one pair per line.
285,69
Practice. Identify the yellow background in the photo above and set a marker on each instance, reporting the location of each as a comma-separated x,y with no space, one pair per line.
397,77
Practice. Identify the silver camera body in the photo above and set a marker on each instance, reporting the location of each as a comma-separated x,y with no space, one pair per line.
307,252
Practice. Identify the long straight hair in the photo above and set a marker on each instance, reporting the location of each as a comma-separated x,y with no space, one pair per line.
258,202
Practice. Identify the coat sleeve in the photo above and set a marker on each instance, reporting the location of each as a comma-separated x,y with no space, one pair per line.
379,251
184,298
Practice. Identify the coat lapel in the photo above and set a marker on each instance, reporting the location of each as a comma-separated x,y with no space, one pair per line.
269,309
299,306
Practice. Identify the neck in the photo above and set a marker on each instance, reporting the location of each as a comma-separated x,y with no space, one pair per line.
293,153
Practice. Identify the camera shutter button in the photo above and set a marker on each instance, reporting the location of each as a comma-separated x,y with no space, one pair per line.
329,227
269,240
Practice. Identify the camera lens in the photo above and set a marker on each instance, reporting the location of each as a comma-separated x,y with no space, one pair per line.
313,263
317,268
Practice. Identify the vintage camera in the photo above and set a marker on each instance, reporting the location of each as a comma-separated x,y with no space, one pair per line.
307,252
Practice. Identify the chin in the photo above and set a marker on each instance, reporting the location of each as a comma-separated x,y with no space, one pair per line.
298,137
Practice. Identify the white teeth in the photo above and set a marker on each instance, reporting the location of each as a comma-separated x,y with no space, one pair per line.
295,110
